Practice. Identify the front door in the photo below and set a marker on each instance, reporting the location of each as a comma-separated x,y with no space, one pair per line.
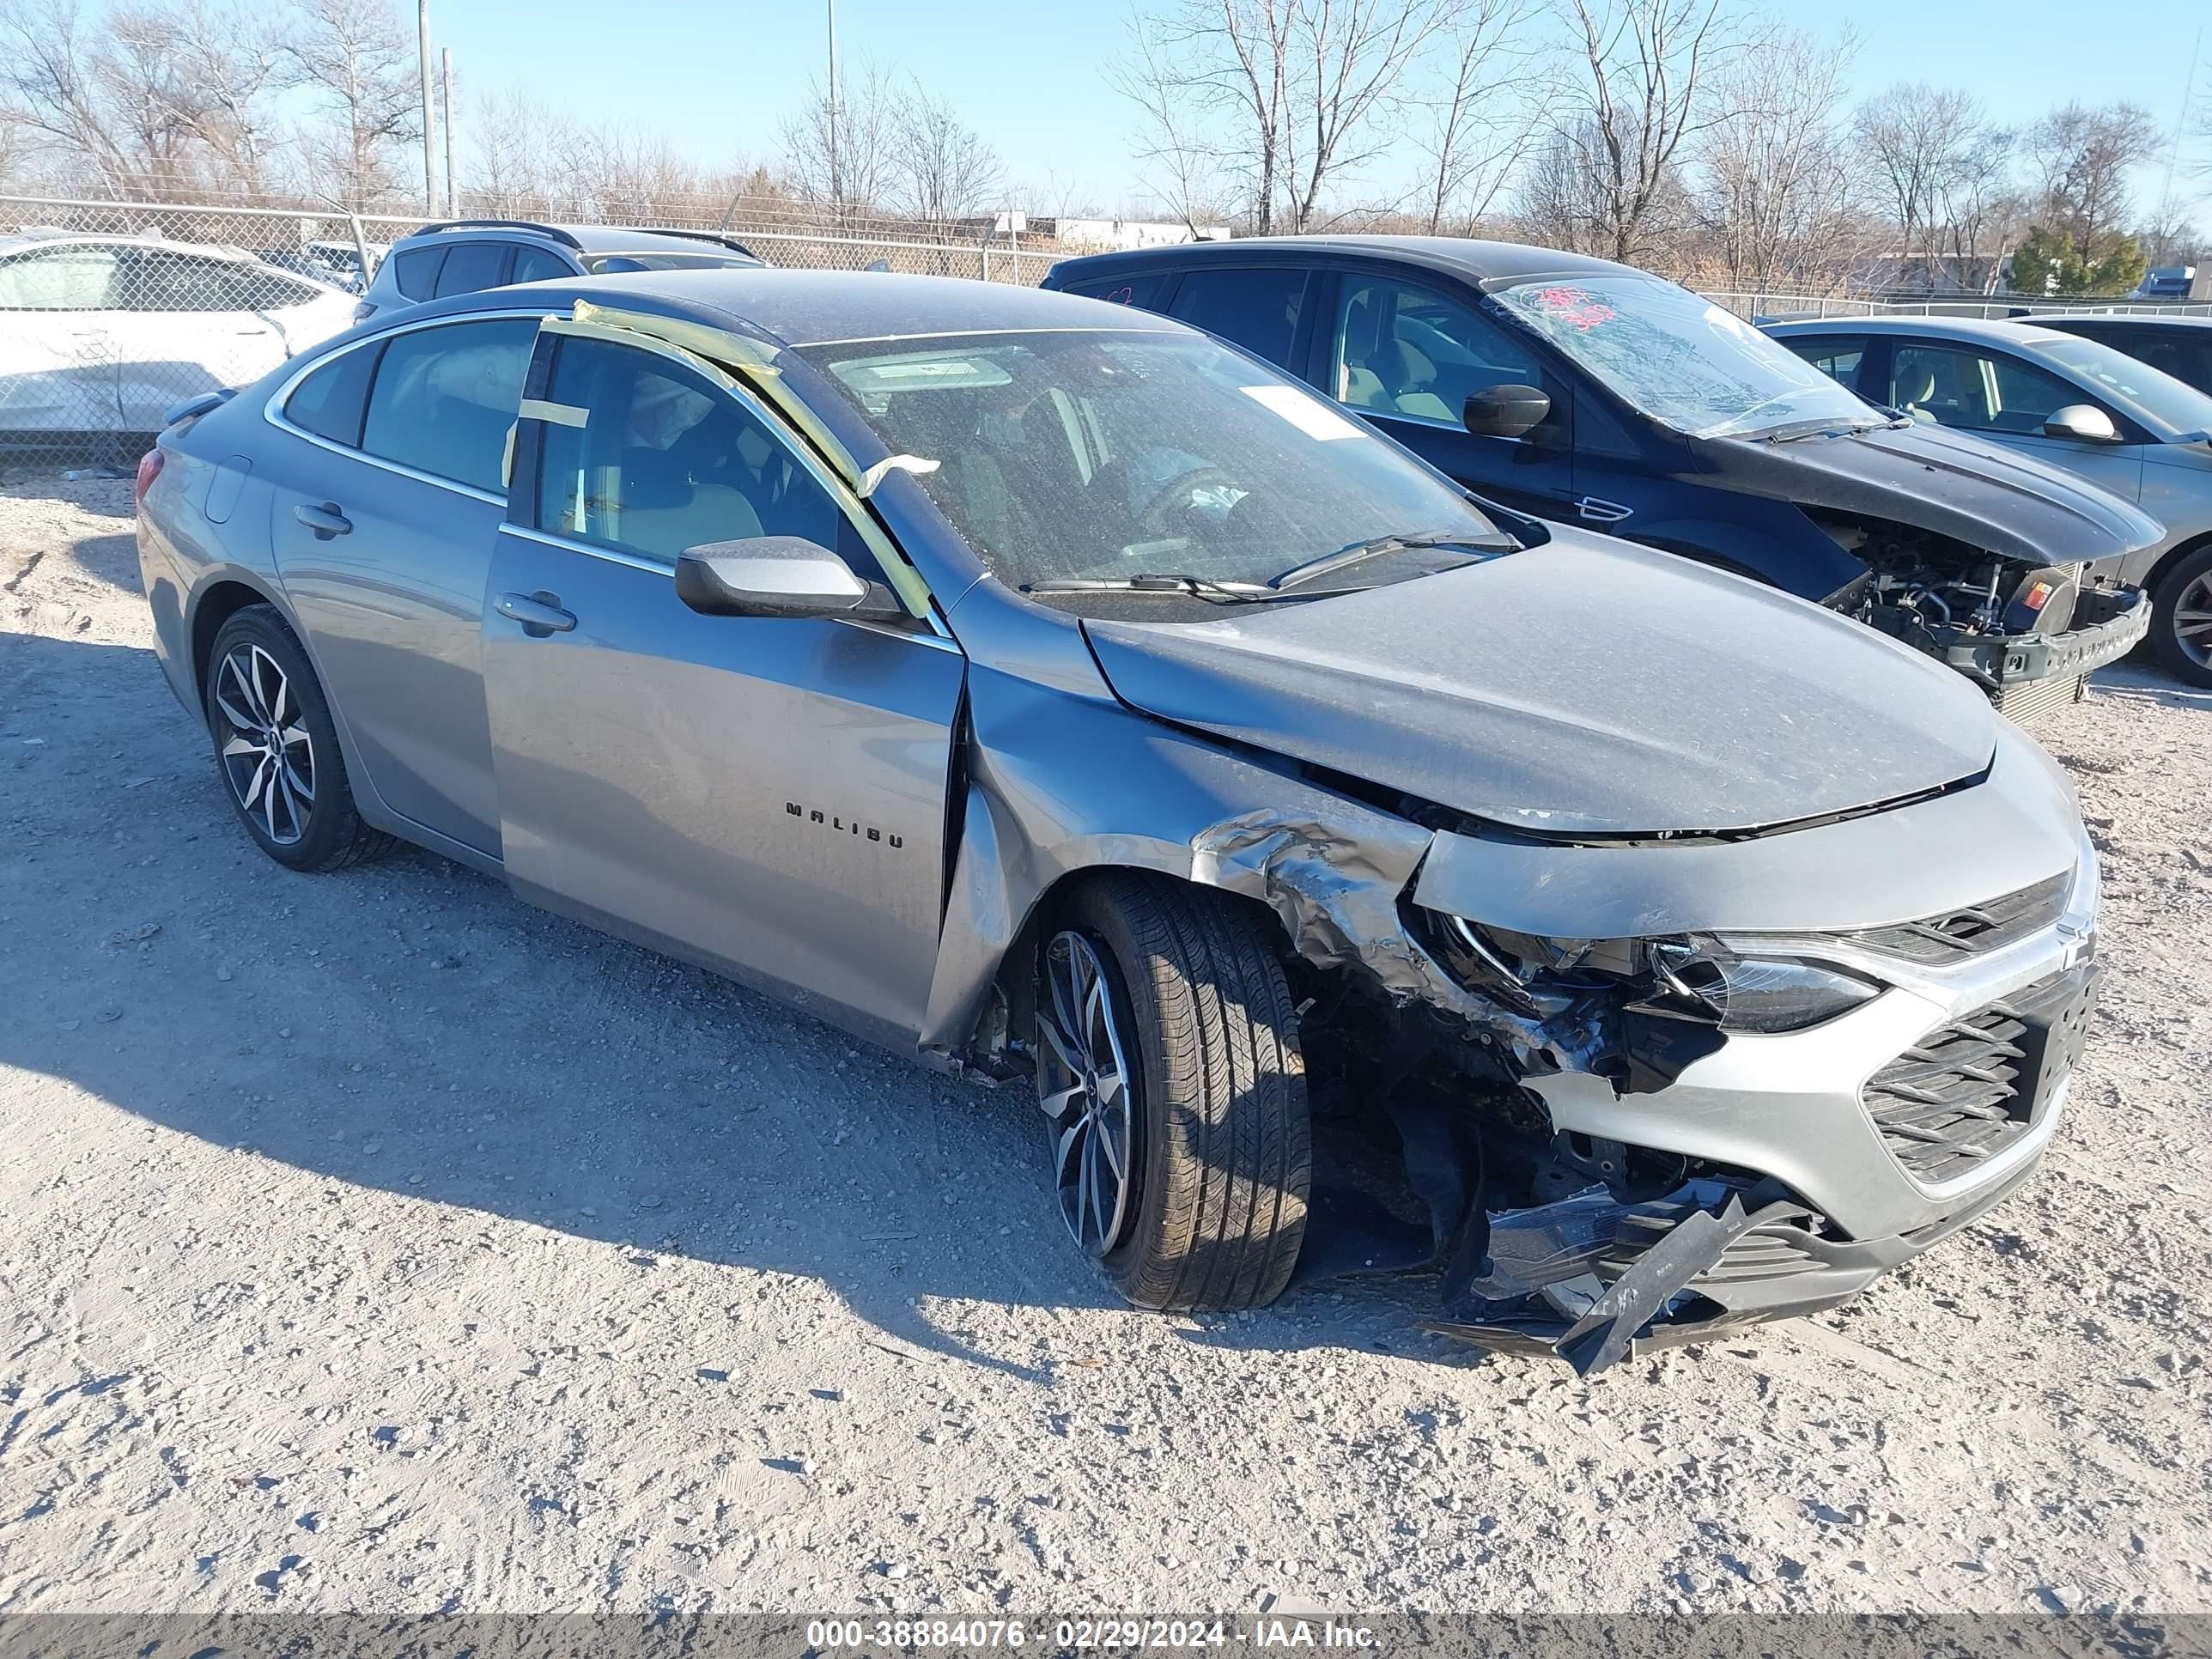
1408,357
766,795
1996,396
383,514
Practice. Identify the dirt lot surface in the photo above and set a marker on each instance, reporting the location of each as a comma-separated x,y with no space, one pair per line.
376,1242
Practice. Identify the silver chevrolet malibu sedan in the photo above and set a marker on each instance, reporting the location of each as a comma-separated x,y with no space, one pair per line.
1368,879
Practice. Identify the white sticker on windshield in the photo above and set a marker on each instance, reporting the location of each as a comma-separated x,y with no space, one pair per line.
1310,415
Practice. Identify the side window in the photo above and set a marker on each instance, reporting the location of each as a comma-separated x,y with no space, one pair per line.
1407,351
1983,391
667,460
445,399
415,271
1838,360
472,267
1257,309
60,279
2184,354
539,264
329,402
1142,291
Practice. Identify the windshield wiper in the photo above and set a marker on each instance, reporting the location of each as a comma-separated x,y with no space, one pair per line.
1299,575
1203,587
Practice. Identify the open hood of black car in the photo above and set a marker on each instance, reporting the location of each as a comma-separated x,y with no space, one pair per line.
1582,688
1951,483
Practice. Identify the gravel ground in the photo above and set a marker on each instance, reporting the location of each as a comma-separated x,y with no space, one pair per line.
376,1242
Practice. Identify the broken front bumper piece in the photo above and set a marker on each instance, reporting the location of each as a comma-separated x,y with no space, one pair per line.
1593,1281
2025,673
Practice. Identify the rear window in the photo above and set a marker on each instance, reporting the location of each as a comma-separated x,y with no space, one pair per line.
415,271
330,401
1257,309
473,266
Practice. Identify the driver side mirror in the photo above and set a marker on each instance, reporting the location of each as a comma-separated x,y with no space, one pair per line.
2084,421
1505,411
779,576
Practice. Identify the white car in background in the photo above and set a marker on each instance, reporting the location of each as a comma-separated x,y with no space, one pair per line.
101,334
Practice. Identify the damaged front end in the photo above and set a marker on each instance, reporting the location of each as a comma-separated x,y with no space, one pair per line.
1604,1144
2028,633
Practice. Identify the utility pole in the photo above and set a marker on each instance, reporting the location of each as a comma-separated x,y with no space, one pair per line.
836,98
430,112
445,97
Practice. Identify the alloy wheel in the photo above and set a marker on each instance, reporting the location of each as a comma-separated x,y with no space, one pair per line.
266,751
1085,1089
2192,620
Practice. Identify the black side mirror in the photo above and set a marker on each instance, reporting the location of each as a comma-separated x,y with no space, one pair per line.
1505,411
779,576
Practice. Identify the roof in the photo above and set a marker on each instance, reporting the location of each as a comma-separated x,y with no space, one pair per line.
2000,331
17,241
815,307
2119,319
1461,256
586,238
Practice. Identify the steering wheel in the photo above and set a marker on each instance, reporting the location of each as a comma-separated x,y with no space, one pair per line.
1172,498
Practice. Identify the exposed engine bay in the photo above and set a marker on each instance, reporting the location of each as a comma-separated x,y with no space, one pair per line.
1976,609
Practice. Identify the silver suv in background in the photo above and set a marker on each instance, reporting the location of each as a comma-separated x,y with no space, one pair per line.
466,255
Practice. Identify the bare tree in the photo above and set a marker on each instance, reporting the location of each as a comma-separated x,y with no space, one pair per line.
838,154
1485,116
1645,93
940,170
1776,186
2080,158
1914,137
54,95
359,62
234,59
1980,213
1283,97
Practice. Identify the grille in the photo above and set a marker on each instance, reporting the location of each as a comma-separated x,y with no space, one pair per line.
1957,934
2033,697
1953,1098
1774,1250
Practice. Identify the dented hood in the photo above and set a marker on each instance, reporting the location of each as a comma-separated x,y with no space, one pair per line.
1585,687
1951,483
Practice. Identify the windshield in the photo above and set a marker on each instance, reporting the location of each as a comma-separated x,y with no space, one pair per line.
2145,392
1680,359
1103,456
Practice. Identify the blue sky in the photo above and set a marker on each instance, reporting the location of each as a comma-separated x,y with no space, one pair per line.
715,76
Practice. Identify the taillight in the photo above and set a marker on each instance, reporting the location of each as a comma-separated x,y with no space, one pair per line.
149,468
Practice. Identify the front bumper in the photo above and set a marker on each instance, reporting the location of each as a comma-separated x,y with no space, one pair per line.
2007,665
1855,1144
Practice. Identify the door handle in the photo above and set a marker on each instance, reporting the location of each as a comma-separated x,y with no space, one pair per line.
325,521
540,614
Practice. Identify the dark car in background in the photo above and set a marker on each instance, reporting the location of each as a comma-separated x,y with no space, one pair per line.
467,255
2073,403
2180,346
1578,389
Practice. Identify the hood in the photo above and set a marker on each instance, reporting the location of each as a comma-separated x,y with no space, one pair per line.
1585,687
1951,483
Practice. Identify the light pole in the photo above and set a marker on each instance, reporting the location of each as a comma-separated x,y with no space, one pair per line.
430,111
836,98
446,98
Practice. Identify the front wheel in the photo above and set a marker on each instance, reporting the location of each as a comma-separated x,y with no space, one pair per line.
2181,619
1170,1074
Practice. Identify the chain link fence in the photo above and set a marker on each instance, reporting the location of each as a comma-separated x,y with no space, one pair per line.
111,313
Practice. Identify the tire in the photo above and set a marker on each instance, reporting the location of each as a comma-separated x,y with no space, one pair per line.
302,816
1218,1136
2190,582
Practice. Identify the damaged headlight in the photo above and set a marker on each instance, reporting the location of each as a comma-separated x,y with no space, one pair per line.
1757,993
1692,978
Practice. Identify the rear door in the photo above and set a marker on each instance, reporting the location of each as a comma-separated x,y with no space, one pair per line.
189,324
766,795
384,514
1406,356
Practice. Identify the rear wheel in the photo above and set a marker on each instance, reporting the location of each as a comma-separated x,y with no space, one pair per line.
1170,1074
2181,618
277,749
